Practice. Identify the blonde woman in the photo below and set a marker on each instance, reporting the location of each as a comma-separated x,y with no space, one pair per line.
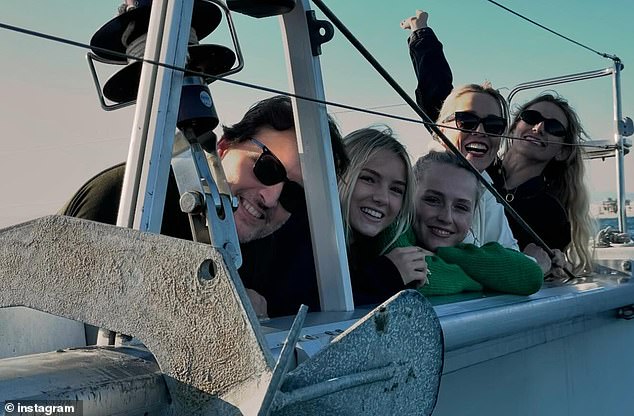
376,193
473,117
541,175
447,196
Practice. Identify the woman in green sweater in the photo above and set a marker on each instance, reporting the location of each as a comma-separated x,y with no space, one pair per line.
445,201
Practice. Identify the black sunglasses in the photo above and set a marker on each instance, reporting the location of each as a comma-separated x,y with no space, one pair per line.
270,171
466,120
551,125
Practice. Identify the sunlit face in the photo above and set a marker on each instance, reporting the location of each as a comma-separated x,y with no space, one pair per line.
478,147
539,145
259,212
377,197
445,204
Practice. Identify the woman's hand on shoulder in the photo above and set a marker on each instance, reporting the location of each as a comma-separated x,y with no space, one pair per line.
416,22
410,263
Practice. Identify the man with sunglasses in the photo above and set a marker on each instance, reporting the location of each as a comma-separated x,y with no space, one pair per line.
261,162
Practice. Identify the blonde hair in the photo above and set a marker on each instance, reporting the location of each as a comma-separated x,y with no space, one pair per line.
565,179
361,145
423,164
448,106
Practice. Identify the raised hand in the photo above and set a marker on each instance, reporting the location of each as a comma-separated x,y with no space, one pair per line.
415,22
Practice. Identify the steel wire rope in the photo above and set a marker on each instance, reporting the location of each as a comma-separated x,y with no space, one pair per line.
602,54
348,108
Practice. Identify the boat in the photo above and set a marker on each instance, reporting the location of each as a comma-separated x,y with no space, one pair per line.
563,350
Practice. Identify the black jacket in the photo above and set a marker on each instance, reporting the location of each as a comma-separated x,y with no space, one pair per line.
538,206
432,71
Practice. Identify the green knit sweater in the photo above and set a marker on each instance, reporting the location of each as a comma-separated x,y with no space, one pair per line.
468,268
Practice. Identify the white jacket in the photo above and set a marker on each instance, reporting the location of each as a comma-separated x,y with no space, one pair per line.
490,223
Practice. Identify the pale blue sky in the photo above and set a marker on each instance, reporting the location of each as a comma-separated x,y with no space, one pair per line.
57,136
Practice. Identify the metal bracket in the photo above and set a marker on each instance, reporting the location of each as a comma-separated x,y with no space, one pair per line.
91,57
315,27
281,367
207,199
388,362
626,127
179,298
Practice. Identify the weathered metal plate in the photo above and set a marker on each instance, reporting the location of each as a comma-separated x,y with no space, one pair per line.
198,324
390,362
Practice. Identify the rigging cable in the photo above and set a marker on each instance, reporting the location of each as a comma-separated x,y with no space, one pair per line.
602,54
345,107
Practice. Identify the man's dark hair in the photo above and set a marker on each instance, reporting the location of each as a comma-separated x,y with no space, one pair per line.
277,112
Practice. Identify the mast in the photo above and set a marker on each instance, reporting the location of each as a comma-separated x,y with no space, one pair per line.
618,141
318,169
158,100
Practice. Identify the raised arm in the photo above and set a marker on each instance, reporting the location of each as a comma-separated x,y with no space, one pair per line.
430,65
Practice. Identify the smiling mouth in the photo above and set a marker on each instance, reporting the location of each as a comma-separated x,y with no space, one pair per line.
440,232
372,213
535,141
251,209
477,148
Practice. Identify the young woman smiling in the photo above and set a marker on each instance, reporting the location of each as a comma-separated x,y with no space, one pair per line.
446,200
376,193
541,175
472,117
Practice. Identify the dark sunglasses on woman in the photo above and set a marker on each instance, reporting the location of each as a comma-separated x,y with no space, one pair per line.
551,125
466,120
269,170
